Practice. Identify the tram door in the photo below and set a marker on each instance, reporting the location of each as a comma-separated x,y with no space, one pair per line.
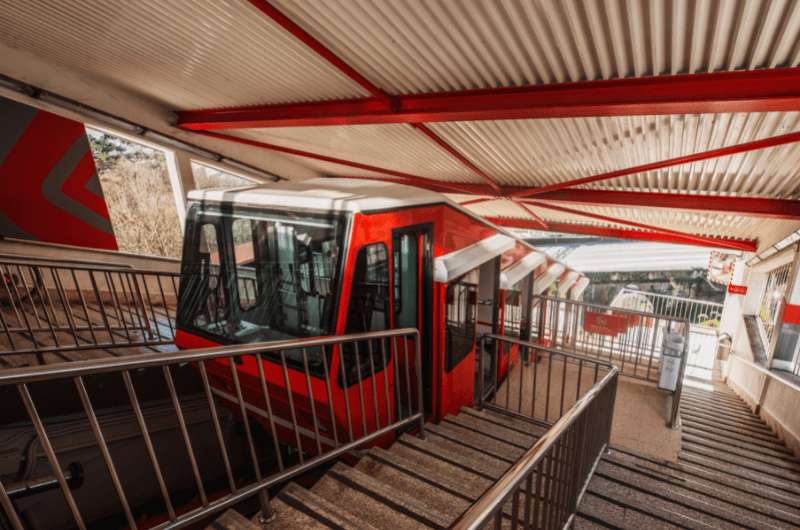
412,249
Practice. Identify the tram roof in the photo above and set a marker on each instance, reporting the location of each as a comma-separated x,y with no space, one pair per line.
328,194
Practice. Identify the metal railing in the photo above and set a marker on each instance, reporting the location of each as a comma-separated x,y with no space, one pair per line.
545,485
697,312
318,416
540,383
633,341
54,307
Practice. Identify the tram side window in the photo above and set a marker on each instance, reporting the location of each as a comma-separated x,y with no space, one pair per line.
368,310
405,280
460,315
203,292
244,253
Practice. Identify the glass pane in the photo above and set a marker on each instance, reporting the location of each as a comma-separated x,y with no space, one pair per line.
406,280
245,259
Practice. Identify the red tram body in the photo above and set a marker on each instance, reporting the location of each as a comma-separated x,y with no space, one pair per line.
339,256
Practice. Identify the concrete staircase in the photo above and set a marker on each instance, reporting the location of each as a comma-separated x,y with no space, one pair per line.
416,483
732,472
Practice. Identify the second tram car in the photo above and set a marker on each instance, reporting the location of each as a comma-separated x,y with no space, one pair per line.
339,256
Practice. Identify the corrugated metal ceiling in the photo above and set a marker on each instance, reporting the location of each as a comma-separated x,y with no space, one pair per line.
185,55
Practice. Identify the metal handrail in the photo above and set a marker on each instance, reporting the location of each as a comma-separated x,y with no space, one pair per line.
310,429
673,297
481,511
767,372
55,307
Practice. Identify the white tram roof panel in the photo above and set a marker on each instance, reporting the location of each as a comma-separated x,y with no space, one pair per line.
330,194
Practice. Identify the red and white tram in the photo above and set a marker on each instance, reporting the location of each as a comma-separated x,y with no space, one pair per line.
339,256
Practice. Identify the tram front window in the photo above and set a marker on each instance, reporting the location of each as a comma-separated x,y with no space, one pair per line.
264,276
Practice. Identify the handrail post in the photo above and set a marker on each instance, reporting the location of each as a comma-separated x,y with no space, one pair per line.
481,344
676,396
420,394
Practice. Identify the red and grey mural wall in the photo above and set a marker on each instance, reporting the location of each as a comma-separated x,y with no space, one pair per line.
49,190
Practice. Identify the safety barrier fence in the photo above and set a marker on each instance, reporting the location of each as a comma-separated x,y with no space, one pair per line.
320,397
641,345
545,485
698,312
50,306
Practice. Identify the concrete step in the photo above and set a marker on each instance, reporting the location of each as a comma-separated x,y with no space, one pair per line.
774,463
762,469
724,427
738,409
475,440
721,423
380,504
526,427
609,513
724,419
232,520
777,451
298,507
448,503
678,498
580,522
724,470
704,486
717,399
493,430
654,504
457,454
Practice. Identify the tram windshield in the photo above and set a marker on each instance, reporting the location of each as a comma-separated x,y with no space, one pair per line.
260,275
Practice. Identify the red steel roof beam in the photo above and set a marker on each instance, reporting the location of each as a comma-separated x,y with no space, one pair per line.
613,232
457,155
765,143
533,214
385,100
731,244
750,206
766,90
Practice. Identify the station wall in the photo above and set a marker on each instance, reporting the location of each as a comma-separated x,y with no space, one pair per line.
49,190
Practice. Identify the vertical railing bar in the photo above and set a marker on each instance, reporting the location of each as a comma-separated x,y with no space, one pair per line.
514,509
268,405
44,440
117,306
360,390
62,295
408,375
89,322
4,273
385,364
30,297
311,401
185,432
5,325
535,361
521,367
346,390
101,443
166,306
132,304
212,406
46,302
374,383
420,397
563,385
136,294
580,377
290,400
237,387
148,442
102,307
526,518
329,395
8,506
549,378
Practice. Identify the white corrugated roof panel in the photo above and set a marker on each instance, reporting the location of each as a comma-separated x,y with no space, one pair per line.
630,256
180,53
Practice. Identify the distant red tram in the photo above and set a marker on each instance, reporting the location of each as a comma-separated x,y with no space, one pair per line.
340,256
